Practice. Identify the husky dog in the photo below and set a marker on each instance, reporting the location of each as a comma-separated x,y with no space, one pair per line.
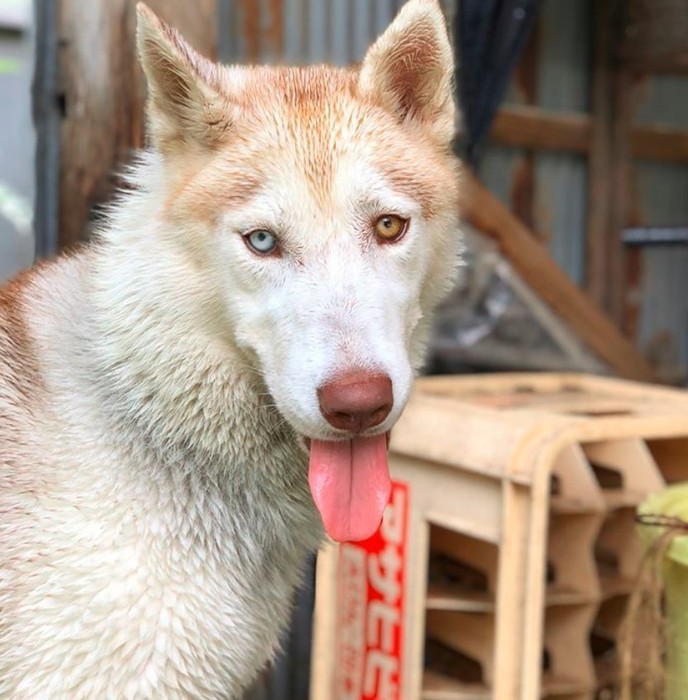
188,400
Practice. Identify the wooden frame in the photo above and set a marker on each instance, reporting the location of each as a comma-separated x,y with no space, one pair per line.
533,481
530,259
89,114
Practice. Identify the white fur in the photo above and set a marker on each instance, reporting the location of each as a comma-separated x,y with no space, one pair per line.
154,504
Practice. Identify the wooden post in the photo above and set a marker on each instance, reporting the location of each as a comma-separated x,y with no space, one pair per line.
523,189
600,156
616,254
93,103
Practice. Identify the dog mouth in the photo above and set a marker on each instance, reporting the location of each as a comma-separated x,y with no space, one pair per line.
350,484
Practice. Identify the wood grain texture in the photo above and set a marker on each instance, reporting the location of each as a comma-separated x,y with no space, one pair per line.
532,127
531,260
103,94
654,36
546,130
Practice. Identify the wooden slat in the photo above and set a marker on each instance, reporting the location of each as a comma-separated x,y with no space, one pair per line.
538,129
103,96
531,127
439,687
659,142
524,182
540,272
654,36
620,213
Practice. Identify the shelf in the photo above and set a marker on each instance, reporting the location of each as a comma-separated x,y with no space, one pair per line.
561,685
439,687
563,505
622,498
564,596
454,599
614,585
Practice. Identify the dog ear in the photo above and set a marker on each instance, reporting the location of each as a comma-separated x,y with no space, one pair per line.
185,105
410,68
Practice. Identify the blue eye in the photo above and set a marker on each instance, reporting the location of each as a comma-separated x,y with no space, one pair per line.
261,242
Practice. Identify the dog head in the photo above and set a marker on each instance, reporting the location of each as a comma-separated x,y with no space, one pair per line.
323,204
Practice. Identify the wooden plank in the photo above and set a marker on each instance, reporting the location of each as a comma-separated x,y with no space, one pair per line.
531,127
659,142
540,272
600,158
654,36
104,94
523,183
620,213
534,128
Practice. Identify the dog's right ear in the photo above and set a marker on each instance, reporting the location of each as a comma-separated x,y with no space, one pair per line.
185,105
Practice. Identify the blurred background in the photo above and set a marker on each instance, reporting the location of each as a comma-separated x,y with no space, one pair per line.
574,134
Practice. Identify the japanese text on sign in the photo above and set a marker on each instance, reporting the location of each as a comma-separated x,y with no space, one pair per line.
370,590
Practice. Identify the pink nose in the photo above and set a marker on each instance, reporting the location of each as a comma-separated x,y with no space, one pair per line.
356,401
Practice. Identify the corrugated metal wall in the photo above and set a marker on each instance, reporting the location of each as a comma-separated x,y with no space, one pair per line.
304,31
561,83
662,199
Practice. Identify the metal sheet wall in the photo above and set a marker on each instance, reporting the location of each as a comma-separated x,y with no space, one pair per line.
662,199
562,76
303,31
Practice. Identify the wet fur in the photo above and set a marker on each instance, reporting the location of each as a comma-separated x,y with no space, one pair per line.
155,387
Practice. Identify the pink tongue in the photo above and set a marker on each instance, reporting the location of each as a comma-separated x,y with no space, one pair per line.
350,485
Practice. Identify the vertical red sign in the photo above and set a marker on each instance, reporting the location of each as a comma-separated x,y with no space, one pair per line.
370,598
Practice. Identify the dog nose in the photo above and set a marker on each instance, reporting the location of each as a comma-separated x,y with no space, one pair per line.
356,401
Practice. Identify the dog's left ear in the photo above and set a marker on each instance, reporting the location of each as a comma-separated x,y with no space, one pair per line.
185,105
410,68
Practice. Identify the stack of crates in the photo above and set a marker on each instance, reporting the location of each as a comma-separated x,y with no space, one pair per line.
505,561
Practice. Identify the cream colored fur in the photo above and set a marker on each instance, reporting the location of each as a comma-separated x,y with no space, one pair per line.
156,387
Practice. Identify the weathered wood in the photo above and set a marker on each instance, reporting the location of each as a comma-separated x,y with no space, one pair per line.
530,259
523,188
620,215
531,127
538,129
103,96
659,142
600,156
655,36
525,515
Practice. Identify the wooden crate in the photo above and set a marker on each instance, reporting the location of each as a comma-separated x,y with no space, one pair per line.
519,493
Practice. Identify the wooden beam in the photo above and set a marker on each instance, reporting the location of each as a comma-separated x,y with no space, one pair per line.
537,269
659,142
654,36
524,181
622,183
102,96
538,129
532,127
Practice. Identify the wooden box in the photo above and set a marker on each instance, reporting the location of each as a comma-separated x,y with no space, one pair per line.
517,550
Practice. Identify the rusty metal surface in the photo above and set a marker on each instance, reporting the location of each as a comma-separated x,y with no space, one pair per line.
304,31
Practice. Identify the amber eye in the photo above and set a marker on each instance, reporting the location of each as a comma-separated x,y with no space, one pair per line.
390,228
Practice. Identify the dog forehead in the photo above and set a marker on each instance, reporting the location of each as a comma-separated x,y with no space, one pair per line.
316,122
308,131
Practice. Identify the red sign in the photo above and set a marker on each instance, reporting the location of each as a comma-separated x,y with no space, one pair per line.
370,596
